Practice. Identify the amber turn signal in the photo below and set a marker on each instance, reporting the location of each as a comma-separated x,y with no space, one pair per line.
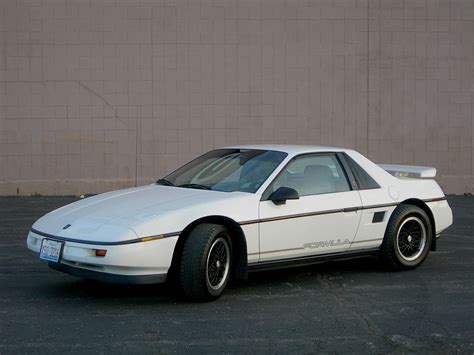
100,252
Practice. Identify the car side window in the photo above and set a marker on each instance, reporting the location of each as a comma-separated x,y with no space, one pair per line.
313,175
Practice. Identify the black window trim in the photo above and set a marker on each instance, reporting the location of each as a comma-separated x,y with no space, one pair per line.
348,164
348,170
345,168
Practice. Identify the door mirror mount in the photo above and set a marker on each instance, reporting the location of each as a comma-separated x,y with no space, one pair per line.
282,194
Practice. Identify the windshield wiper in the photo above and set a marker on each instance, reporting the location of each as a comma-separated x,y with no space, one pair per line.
196,186
165,182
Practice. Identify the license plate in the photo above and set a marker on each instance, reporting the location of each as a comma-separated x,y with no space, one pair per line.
50,250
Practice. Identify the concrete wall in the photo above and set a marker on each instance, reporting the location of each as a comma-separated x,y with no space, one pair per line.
96,95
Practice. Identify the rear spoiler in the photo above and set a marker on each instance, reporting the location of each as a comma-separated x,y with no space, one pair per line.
409,171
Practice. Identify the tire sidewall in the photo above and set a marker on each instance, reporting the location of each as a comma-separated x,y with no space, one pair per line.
421,215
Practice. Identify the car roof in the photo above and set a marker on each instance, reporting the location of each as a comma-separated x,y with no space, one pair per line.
291,149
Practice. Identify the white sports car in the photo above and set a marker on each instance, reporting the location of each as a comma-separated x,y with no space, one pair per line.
247,208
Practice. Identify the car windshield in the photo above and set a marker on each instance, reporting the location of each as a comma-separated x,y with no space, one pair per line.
226,170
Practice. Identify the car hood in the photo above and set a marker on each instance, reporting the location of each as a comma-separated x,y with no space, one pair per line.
120,214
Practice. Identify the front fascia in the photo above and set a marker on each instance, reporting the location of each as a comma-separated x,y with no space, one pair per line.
240,207
147,258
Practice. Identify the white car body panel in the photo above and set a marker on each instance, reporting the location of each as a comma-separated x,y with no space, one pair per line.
319,224
303,236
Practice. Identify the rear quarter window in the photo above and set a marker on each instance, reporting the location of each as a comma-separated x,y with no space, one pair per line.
364,180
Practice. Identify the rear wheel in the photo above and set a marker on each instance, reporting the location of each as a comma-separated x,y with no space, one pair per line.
206,262
407,239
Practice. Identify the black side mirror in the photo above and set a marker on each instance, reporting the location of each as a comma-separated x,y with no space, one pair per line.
280,195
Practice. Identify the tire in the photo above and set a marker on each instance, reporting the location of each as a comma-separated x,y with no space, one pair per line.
407,239
206,262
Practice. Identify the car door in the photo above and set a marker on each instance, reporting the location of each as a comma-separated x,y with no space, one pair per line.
323,220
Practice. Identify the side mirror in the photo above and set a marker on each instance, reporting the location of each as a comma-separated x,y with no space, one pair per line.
280,195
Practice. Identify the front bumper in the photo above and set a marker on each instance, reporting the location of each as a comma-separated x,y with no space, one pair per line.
135,263
108,277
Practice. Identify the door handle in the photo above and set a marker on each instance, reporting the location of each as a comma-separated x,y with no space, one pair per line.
350,209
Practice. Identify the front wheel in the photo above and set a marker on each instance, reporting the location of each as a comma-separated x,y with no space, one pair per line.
206,262
407,239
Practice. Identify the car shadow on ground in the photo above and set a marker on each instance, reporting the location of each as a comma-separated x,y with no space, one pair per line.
82,288
71,287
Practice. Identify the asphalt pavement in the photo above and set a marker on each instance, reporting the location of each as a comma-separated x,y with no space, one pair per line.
336,307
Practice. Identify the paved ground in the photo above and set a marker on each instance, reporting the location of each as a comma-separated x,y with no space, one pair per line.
334,307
